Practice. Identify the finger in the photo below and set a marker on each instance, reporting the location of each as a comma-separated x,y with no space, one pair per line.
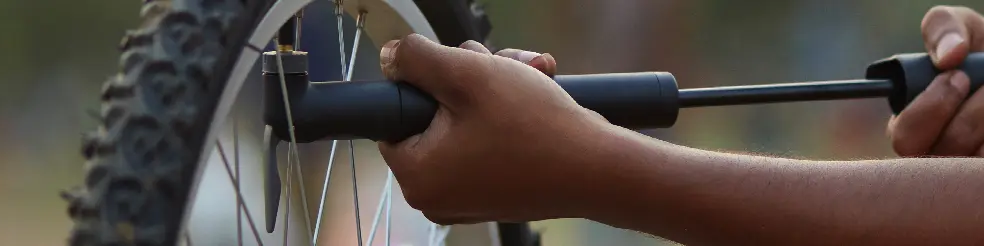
405,155
475,46
950,33
916,129
543,62
448,74
387,59
964,134
520,55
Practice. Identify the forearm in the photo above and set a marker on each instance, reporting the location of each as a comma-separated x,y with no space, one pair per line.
699,197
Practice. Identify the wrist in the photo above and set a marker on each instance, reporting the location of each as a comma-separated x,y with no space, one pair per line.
615,168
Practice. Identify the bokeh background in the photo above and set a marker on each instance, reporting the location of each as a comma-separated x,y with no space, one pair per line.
57,53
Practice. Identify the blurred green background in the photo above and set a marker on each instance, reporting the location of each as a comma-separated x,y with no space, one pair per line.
57,53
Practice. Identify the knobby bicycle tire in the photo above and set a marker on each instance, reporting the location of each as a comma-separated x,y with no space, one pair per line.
156,112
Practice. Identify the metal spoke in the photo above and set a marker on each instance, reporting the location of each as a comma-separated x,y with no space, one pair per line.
324,192
290,166
442,235
239,195
389,211
302,184
355,193
292,148
379,208
297,29
431,234
360,21
437,234
235,152
341,35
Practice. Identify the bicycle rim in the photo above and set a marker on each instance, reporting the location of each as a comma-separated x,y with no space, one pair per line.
136,218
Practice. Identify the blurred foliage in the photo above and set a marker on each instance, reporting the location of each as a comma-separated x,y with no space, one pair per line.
57,53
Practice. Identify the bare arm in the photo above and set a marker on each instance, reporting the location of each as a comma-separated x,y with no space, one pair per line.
508,144
702,197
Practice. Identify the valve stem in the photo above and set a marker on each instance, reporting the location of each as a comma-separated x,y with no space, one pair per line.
287,35
338,7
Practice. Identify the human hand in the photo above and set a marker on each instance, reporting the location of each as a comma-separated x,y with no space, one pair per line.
503,141
943,120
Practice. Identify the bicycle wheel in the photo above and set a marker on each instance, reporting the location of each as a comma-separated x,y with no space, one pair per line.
164,141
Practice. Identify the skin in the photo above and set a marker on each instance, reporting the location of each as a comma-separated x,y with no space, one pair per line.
508,144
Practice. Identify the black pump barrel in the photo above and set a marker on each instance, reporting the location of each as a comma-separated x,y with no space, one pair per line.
912,73
639,100
384,110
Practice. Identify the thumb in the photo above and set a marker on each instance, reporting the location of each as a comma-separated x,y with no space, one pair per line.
445,73
945,32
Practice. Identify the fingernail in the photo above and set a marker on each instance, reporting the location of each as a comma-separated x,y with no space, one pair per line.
388,52
537,62
947,43
542,63
959,80
527,56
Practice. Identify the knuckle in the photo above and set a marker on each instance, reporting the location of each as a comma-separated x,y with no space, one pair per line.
940,11
471,43
938,17
406,48
475,46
